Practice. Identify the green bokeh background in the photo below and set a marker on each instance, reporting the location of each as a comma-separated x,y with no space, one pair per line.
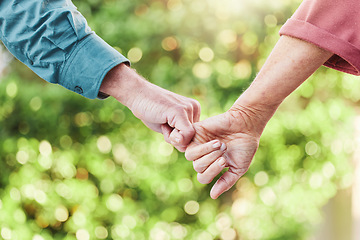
73,168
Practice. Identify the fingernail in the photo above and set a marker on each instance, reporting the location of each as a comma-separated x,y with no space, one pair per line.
216,144
222,162
177,140
223,147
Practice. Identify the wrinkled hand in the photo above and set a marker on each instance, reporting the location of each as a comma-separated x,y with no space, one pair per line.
232,136
168,113
161,110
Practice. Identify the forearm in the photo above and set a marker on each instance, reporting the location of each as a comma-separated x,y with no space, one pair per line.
129,88
291,62
57,44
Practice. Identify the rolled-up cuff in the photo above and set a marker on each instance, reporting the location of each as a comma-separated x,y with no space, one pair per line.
91,59
345,56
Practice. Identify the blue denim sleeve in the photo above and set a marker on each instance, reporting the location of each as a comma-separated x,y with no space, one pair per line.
53,39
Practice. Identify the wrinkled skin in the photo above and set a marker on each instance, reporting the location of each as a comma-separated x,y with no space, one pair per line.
238,132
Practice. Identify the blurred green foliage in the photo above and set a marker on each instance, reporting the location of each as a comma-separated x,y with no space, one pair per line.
73,168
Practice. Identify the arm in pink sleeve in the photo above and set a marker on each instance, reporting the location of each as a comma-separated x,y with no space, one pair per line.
332,25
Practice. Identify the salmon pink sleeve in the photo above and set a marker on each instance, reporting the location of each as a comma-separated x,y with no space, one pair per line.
333,25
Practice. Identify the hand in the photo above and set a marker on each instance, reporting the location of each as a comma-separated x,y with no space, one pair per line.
227,140
168,113
161,110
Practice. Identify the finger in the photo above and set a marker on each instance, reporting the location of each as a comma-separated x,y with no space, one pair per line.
194,151
212,171
175,136
196,111
186,130
224,183
190,109
191,106
166,131
201,164
176,140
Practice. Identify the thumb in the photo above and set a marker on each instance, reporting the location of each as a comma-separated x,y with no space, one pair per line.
185,132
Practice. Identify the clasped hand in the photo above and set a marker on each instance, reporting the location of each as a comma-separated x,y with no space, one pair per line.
227,140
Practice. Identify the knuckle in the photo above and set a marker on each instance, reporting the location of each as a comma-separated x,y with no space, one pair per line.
188,107
181,112
196,104
178,109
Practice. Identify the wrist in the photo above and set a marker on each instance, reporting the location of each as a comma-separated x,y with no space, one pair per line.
261,104
255,115
122,83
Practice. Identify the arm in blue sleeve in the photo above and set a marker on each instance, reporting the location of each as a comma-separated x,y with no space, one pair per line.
53,39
